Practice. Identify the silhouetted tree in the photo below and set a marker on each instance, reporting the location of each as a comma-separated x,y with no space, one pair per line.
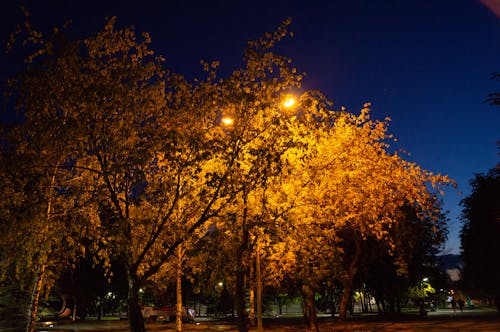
480,236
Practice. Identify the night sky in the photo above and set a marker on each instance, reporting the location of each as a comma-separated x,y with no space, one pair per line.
426,64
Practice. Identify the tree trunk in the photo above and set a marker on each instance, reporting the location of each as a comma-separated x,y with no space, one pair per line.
35,296
240,301
251,306
304,308
259,289
178,315
241,272
311,310
251,300
344,301
40,276
348,283
135,319
332,305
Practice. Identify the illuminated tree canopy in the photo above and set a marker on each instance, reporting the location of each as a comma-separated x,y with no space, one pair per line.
129,161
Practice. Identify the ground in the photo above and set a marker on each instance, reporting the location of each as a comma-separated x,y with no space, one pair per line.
443,320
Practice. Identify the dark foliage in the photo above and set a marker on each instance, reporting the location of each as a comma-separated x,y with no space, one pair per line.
480,235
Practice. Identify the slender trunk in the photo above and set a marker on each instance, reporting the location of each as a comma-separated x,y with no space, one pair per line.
379,304
304,308
40,276
73,318
100,312
344,301
332,305
312,321
178,315
35,296
135,319
259,290
251,300
241,272
348,283
240,301
396,300
363,301
251,306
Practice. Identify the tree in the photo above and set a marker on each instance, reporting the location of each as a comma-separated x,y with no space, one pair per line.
260,134
122,129
148,160
137,156
41,226
351,190
480,242
417,243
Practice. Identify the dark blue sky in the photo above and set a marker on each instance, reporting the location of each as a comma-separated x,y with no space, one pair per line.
424,63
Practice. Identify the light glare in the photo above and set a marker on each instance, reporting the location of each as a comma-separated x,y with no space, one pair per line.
227,121
289,102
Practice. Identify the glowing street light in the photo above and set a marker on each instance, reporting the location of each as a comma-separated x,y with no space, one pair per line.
227,121
289,101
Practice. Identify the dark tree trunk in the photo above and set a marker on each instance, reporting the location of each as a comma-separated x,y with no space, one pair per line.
135,319
178,293
344,301
348,283
305,315
241,271
312,322
240,301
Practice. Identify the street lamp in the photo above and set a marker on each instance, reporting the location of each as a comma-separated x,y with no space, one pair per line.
227,121
289,101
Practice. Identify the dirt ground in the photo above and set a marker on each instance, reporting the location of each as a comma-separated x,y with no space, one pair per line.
442,322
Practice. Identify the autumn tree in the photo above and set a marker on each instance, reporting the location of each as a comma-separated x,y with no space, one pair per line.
283,216
122,128
41,225
148,159
261,132
366,187
350,189
141,160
